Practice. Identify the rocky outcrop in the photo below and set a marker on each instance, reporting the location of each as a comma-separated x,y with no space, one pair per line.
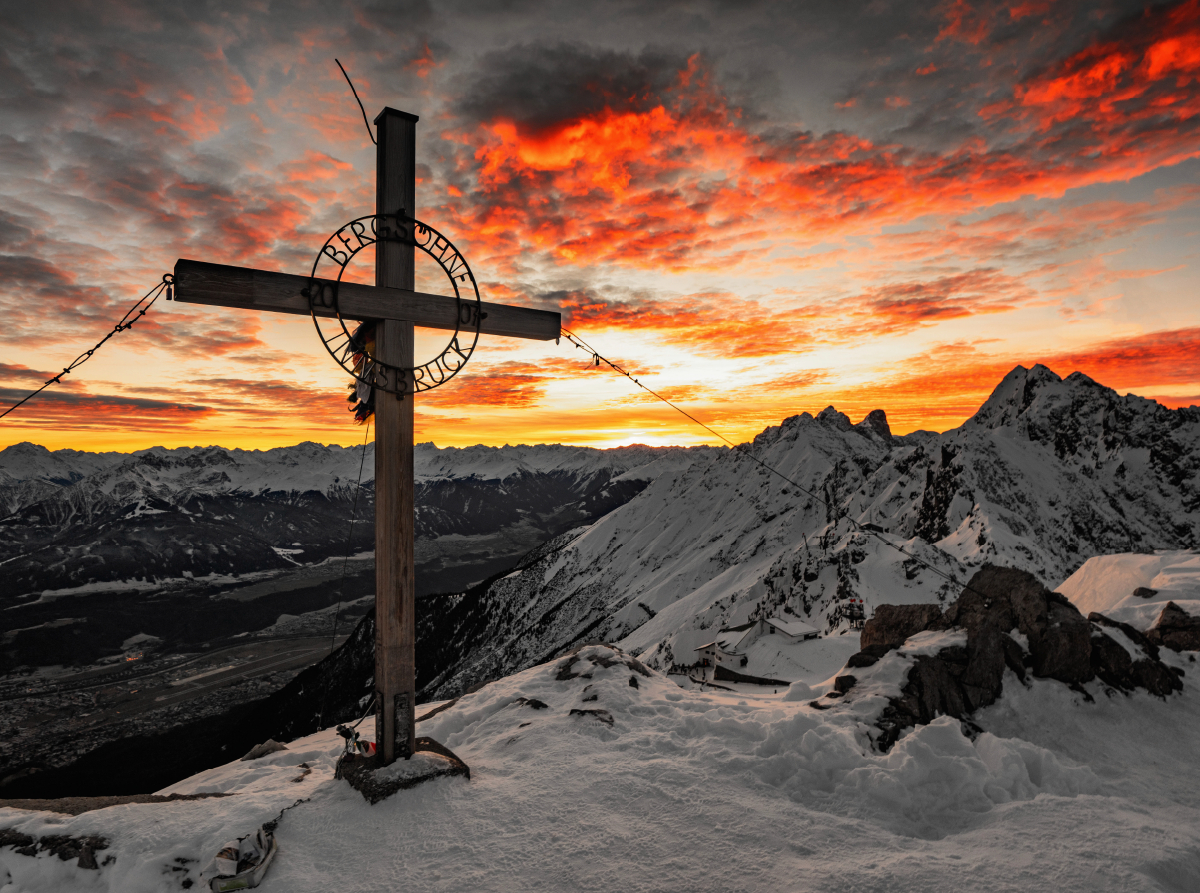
82,849
1176,629
892,624
1116,666
1003,599
1011,621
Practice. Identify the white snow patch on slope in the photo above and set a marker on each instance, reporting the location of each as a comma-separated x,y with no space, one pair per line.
1106,584
698,791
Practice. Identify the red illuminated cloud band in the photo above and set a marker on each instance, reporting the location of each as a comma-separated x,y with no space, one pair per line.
687,183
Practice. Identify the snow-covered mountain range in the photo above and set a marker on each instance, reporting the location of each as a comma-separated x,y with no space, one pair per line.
74,519
657,548
117,545
1048,473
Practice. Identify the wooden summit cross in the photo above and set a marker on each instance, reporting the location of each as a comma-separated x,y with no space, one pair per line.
395,307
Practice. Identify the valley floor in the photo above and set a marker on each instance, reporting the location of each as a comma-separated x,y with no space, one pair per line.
687,790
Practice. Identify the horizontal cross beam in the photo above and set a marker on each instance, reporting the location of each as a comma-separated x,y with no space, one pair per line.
219,285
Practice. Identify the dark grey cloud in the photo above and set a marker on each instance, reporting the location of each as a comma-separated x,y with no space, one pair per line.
14,373
97,402
539,86
21,158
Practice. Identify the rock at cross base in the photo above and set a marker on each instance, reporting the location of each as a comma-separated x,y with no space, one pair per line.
430,760
1176,629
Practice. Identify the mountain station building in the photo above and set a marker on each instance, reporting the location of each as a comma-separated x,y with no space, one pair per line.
729,648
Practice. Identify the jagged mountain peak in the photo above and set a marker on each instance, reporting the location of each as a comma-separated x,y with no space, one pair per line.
831,416
1076,415
830,422
24,448
876,422
1013,396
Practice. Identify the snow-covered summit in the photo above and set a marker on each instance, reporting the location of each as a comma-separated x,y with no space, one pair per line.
588,774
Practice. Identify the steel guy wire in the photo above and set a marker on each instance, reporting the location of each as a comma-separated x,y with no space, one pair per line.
743,450
125,323
360,105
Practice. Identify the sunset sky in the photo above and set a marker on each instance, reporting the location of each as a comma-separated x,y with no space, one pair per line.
759,209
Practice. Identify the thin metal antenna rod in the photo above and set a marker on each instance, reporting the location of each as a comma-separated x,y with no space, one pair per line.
359,101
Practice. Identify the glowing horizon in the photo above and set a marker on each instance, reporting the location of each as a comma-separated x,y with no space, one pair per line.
757,223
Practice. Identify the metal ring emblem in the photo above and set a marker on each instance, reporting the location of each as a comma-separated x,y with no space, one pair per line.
322,294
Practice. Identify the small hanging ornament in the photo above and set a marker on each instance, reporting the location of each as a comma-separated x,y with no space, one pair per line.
362,396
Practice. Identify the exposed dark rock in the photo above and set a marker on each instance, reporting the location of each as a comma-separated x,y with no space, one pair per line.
81,849
603,655
843,684
725,674
869,655
619,657
603,715
1176,629
533,703
1001,598
997,607
931,690
1116,667
11,837
1144,592
633,682
1135,635
892,624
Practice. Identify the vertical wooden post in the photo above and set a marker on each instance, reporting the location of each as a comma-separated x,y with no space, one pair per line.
395,623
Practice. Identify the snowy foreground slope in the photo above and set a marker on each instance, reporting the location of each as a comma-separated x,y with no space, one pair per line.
667,789
1048,473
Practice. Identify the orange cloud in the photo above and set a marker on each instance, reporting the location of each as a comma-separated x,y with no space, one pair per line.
511,384
729,325
966,21
1154,359
687,184
67,409
1140,77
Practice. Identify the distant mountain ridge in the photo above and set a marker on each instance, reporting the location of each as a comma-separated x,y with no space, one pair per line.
72,519
656,548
